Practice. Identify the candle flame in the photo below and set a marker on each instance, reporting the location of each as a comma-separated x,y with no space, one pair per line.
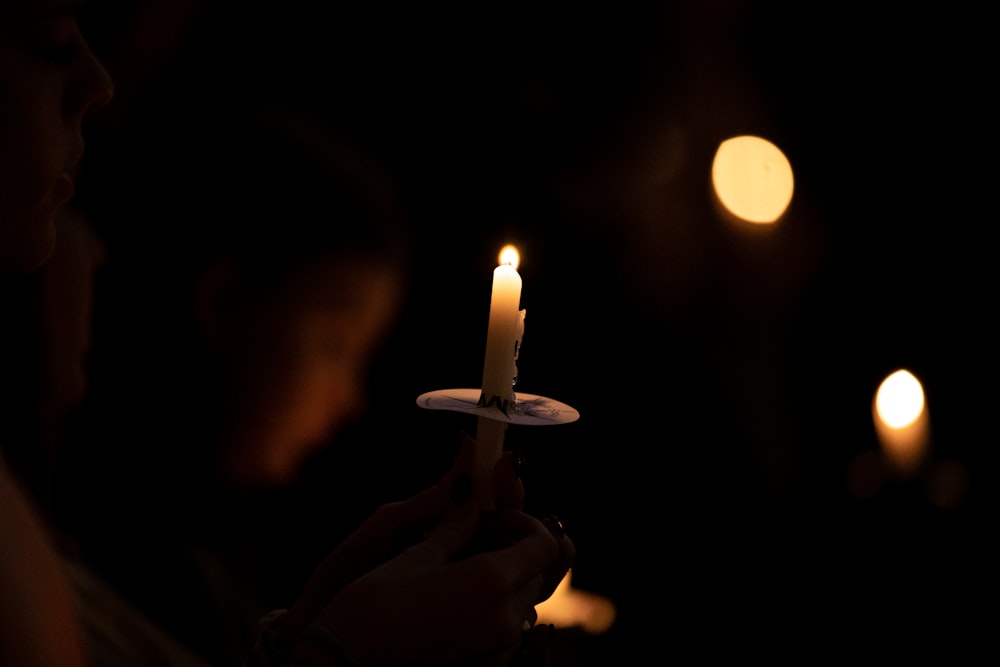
901,421
509,255
899,400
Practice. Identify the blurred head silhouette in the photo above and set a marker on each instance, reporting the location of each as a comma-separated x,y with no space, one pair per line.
255,263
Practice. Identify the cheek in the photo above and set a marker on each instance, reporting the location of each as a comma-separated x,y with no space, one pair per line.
328,395
304,421
35,143
305,406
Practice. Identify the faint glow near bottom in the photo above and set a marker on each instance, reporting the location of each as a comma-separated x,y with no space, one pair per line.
568,607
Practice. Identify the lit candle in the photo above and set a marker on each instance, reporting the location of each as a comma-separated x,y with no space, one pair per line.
493,402
503,338
901,422
499,369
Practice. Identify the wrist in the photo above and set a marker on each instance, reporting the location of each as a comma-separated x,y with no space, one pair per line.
314,646
273,647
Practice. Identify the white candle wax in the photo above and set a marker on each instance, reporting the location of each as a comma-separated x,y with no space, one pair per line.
499,368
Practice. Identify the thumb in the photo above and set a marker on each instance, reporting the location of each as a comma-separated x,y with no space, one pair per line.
457,527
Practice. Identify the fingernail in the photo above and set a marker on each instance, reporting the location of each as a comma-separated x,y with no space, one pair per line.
554,525
461,490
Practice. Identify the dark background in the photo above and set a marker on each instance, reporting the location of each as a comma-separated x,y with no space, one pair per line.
724,376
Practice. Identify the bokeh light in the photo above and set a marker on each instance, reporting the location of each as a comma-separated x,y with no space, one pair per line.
900,414
752,179
900,399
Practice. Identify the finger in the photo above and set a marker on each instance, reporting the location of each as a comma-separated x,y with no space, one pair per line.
565,556
421,511
395,526
392,528
536,648
530,551
456,529
523,601
523,618
508,487
465,460
564,561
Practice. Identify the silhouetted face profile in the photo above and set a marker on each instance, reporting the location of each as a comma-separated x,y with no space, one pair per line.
49,80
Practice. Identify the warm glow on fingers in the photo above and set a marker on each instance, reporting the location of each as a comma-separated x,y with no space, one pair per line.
752,179
509,255
568,607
